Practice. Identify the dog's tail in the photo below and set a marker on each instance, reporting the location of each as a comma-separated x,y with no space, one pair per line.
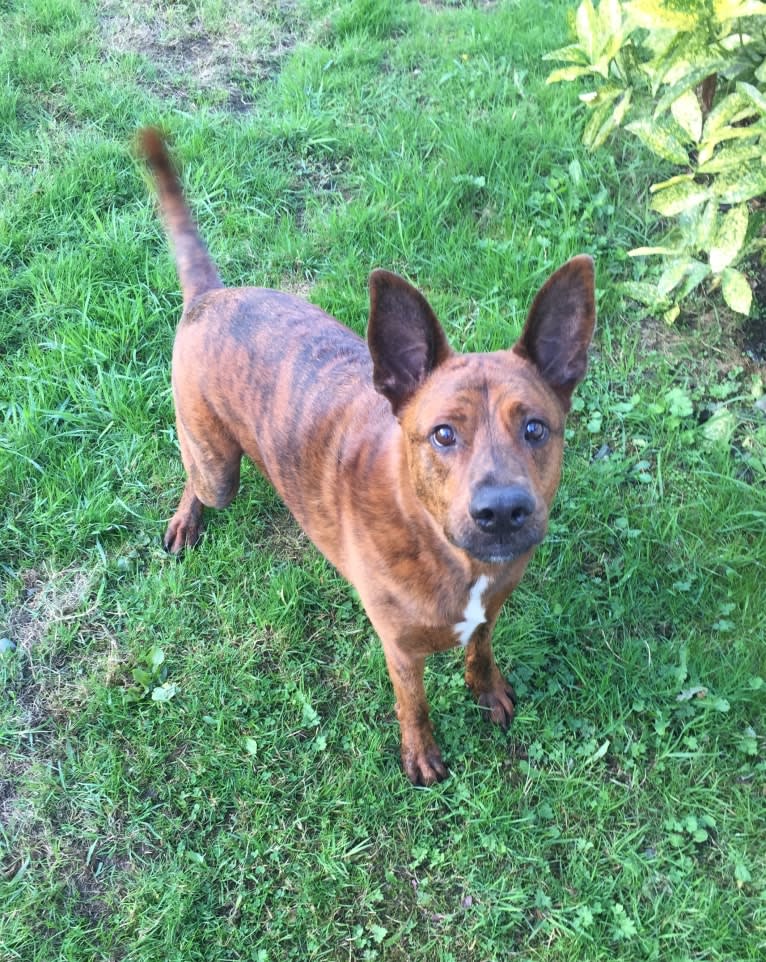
196,270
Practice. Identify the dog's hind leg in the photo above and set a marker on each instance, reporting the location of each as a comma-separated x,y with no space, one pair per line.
212,474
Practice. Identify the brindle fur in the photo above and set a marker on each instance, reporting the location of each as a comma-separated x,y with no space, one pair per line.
344,432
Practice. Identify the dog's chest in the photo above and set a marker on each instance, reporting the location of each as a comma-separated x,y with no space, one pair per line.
474,613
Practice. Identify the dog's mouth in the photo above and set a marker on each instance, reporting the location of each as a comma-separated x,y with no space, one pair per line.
500,551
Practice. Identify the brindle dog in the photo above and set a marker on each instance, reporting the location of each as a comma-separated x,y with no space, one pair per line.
424,475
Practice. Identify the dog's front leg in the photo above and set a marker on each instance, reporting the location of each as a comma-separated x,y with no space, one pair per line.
485,680
421,758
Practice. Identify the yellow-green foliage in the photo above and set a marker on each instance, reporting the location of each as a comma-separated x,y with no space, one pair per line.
688,78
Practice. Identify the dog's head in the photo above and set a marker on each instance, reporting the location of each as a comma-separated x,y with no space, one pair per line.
483,434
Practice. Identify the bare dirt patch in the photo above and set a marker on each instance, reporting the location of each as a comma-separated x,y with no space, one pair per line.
198,52
35,689
45,599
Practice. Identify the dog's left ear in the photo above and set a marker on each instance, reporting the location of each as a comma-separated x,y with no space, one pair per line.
405,339
559,327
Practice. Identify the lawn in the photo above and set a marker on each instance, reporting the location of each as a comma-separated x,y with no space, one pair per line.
199,758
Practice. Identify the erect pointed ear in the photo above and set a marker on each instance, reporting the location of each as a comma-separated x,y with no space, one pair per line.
559,327
405,339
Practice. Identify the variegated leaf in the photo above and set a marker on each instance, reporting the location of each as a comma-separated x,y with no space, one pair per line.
659,141
733,107
572,53
750,132
567,73
671,316
736,291
688,114
601,121
586,25
753,94
609,51
732,187
732,156
654,14
675,200
691,76
733,9
703,227
642,293
610,15
673,274
678,179
694,277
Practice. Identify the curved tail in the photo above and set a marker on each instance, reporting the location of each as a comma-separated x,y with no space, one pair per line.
196,270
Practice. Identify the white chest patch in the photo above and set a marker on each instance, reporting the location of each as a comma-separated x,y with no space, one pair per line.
474,614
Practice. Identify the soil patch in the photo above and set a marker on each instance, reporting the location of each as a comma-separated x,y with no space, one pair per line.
194,55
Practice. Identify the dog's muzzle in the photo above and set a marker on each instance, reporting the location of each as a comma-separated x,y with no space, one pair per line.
506,522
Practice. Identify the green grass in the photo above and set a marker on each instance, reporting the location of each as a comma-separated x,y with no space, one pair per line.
259,812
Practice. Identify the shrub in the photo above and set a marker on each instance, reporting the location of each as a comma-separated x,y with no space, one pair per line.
689,80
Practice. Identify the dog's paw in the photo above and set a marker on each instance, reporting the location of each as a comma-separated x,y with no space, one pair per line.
423,763
499,703
183,532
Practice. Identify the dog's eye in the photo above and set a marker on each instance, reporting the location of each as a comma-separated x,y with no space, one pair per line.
444,436
535,432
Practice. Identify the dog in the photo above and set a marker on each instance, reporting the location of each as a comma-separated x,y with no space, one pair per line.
425,476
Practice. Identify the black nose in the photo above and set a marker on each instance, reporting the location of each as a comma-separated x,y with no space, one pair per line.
500,510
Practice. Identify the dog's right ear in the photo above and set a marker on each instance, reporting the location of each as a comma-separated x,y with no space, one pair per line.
405,339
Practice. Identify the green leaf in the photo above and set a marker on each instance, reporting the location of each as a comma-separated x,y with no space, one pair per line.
155,658
742,874
659,141
378,933
736,291
680,197
688,114
142,677
165,692
720,427
309,716
679,403
473,180
729,238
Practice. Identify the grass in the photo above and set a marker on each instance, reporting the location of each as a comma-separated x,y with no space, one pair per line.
238,796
